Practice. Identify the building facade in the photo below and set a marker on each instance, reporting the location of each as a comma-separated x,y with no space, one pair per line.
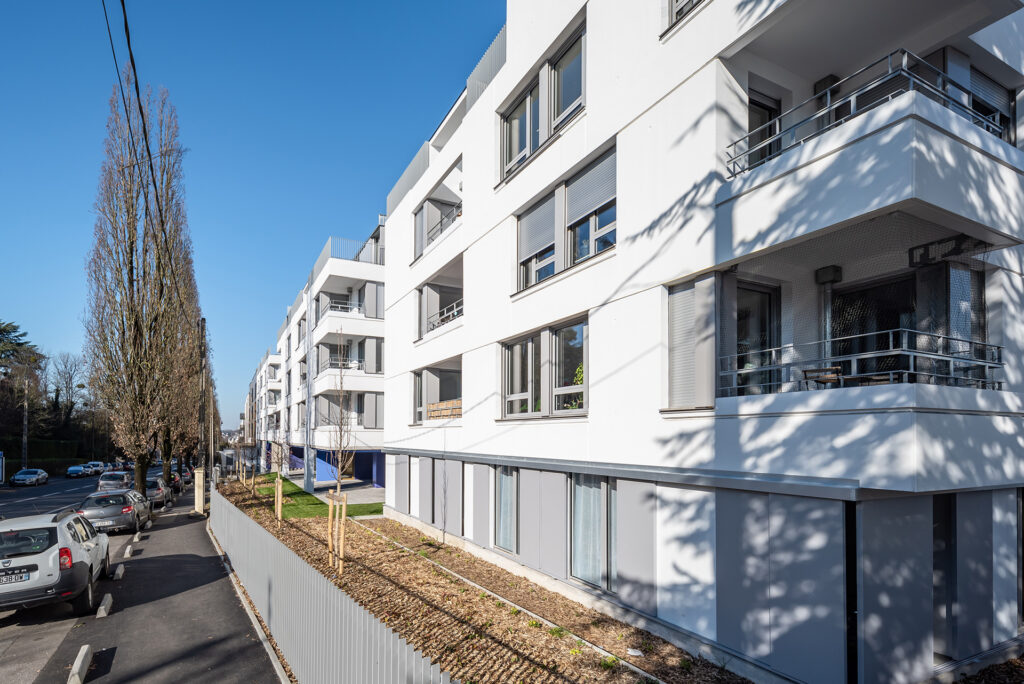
709,312
327,367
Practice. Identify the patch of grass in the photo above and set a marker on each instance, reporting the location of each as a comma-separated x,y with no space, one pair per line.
535,623
513,611
609,662
557,632
301,505
358,510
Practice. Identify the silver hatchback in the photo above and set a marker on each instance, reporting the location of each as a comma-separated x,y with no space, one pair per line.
117,479
123,509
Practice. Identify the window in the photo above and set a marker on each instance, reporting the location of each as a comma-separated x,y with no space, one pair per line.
523,377
593,234
570,352
568,82
527,124
561,386
592,555
680,8
417,397
522,129
506,513
763,124
585,228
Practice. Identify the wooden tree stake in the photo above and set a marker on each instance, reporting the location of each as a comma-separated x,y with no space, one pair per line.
330,530
280,500
341,543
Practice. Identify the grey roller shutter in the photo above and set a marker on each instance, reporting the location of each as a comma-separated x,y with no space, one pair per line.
380,408
591,188
681,341
991,92
380,300
537,227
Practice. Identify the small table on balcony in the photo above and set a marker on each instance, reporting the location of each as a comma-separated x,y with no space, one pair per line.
823,377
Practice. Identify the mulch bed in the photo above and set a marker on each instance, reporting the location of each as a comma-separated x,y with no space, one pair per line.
473,636
1012,671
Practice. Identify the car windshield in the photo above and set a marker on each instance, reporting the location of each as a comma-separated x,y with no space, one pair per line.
152,484
110,477
26,472
14,543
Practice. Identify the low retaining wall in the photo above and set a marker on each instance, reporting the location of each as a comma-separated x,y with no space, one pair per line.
325,635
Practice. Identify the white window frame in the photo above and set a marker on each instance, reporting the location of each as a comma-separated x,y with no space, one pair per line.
607,536
595,233
515,508
558,120
531,267
563,390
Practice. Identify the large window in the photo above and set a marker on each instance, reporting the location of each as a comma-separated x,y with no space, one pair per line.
551,100
545,373
574,222
568,81
506,511
593,530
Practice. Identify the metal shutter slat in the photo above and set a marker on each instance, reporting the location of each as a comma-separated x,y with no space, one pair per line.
591,188
682,338
537,227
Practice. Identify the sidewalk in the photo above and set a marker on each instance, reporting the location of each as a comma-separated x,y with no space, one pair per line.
359,491
175,616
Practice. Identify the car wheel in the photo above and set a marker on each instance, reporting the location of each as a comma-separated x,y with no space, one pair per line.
138,524
106,566
85,603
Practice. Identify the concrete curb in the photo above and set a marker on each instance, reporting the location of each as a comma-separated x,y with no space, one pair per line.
128,551
119,572
137,538
80,669
105,605
282,676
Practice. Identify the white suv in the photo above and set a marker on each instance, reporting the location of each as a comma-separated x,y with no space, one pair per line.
51,558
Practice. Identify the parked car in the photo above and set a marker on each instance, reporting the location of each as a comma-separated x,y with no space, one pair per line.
75,471
186,476
117,479
29,476
158,492
97,467
51,558
120,509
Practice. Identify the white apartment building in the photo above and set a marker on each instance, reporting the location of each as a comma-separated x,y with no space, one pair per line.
327,366
709,311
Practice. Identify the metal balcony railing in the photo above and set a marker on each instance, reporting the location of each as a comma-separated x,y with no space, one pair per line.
896,73
445,315
339,362
447,220
439,410
879,358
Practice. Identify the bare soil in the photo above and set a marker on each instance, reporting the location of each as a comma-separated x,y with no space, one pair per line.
473,636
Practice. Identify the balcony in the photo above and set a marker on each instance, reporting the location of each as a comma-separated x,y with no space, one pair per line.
445,315
441,210
441,410
878,358
891,76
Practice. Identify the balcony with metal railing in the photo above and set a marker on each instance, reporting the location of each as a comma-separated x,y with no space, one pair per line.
893,75
877,358
445,315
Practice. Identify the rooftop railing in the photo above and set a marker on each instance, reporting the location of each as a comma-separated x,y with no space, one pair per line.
445,315
879,358
879,82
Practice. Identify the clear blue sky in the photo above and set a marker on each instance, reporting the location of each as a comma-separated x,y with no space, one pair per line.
298,118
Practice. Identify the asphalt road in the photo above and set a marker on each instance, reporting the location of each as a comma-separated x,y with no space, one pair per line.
175,614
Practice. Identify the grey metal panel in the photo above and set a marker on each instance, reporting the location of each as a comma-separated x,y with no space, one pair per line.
486,69
448,496
636,562
974,619
894,589
537,227
481,504
741,571
705,339
807,594
590,188
529,517
554,542
426,512
401,483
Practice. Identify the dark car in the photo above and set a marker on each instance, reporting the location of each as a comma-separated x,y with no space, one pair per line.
120,509
186,476
175,482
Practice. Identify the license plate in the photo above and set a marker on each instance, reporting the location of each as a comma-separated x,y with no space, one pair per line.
101,523
9,579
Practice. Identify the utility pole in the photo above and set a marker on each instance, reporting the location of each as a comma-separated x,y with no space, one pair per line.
200,451
24,430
